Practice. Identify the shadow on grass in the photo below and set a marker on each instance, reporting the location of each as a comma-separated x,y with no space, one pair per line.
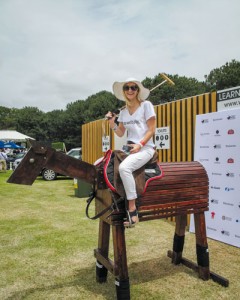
139,273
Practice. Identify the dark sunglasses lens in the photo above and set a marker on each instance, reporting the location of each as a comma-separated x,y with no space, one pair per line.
132,87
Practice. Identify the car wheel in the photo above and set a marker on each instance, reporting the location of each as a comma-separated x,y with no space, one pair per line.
48,174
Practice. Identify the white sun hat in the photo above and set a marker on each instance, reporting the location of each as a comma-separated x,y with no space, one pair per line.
118,89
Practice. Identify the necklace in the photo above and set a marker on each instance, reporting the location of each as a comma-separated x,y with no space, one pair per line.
132,109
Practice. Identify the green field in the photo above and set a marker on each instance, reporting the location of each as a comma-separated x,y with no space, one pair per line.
47,243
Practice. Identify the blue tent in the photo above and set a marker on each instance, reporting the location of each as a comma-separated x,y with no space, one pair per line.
11,145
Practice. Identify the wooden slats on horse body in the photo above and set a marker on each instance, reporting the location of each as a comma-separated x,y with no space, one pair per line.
182,190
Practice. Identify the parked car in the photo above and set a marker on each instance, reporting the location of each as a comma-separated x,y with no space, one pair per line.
75,152
48,174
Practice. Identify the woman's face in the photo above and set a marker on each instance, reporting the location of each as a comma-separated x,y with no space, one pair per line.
130,90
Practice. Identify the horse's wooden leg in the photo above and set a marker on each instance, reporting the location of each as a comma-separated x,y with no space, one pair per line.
202,246
120,262
178,240
103,248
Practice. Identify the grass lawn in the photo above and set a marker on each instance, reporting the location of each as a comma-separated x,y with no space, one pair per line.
47,243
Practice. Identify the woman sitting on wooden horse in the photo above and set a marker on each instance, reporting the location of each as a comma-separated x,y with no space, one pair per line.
139,119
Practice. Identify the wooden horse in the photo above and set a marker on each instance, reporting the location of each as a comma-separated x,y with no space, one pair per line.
181,190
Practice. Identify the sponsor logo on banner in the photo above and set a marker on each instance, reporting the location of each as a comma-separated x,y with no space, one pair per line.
213,215
225,232
217,119
230,161
204,121
218,146
230,174
230,131
228,203
203,159
228,189
216,174
214,201
217,133
225,218
231,117
215,187
204,147
210,228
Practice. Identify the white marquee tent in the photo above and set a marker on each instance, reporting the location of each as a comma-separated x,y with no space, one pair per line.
13,135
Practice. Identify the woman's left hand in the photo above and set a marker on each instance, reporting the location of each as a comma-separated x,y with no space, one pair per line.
135,148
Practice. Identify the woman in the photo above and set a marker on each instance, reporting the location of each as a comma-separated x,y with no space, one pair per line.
139,119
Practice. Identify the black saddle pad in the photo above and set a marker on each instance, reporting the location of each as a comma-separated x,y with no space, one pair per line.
151,171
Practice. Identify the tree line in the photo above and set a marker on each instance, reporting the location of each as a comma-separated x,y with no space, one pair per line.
65,125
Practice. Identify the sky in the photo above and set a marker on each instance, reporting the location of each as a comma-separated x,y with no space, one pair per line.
55,52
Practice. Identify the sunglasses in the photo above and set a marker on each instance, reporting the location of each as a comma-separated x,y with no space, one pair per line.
130,87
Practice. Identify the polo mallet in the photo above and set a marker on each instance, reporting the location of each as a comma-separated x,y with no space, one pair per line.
166,79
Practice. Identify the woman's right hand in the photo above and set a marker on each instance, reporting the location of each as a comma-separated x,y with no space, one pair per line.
110,116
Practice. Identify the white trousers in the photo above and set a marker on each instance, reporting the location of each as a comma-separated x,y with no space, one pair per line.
3,164
131,163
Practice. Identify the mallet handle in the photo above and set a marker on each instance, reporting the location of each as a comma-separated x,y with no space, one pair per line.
158,85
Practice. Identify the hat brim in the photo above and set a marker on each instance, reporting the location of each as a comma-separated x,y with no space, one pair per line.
118,89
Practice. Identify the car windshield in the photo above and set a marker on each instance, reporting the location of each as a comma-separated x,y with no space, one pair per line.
75,153
19,155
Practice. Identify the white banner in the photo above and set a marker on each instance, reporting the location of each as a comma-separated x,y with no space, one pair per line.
217,148
228,99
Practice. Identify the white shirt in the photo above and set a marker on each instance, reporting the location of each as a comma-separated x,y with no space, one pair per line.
3,155
136,124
